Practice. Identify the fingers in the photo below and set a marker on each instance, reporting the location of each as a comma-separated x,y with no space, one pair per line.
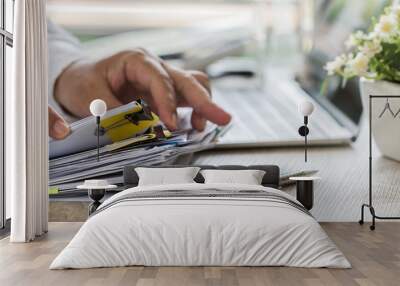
79,84
163,87
202,78
198,97
150,74
198,121
58,127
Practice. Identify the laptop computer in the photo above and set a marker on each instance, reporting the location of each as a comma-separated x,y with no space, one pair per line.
270,117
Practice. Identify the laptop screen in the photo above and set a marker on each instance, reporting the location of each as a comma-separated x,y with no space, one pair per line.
335,20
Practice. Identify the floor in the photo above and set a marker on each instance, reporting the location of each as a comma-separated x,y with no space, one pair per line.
375,257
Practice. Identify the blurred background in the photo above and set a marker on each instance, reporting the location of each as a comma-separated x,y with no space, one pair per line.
256,42
277,35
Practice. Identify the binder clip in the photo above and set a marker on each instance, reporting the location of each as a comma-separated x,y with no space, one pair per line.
133,117
128,124
158,131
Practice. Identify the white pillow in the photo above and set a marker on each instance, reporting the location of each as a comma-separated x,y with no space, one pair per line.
247,177
166,176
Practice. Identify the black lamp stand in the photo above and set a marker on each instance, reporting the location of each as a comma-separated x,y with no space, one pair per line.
305,186
303,131
370,205
98,137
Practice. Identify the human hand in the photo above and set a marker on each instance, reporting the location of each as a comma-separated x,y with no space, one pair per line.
58,127
136,74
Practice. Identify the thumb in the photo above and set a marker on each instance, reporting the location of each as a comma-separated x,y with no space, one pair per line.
58,127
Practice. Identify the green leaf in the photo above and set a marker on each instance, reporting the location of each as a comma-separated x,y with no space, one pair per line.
324,87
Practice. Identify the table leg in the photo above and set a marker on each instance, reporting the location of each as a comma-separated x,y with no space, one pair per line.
96,195
305,193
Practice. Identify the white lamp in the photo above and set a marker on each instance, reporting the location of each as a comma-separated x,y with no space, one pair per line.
305,108
98,108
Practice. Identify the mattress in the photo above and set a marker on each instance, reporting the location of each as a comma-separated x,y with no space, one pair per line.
201,225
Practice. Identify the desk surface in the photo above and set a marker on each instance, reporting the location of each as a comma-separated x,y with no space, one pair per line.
337,196
343,170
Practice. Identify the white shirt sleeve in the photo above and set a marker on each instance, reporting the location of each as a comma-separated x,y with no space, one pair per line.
64,49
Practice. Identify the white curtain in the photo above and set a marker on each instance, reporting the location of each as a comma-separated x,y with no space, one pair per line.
27,124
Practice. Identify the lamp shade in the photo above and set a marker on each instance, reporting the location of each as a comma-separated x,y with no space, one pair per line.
306,108
98,107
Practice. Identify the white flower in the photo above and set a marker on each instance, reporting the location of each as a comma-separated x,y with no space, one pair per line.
372,36
336,65
371,48
395,11
354,39
386,27
358,65
351,42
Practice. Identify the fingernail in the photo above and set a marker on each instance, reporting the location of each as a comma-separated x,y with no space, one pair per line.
174,121
60,128
202,124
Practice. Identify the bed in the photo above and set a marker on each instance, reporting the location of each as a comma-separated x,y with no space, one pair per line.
198,224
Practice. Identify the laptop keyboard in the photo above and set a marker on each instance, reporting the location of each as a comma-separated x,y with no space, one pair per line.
273,116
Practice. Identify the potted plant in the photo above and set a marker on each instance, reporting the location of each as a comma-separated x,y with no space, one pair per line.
374,56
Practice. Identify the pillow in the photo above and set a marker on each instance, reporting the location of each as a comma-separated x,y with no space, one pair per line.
166,176
248,177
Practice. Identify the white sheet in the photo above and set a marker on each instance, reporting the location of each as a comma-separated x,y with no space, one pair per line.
211,231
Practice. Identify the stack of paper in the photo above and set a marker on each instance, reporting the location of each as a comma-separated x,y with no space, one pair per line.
67,168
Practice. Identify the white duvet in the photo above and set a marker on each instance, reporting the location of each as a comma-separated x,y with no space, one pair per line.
200,231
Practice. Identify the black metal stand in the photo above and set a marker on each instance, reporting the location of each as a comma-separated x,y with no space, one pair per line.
98,137
96,195
303,131
370,205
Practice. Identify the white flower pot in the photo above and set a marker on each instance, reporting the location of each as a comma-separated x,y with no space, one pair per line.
385,130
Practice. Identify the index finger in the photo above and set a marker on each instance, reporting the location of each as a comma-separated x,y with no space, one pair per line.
198,97
152,76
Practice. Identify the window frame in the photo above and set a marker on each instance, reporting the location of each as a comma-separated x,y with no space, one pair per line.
6,39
